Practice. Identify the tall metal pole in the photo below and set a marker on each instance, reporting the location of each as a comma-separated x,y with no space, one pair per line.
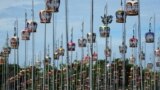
124,57
105,86
106,46
2,74
67,53
44,72
91,46
25,62
25,66
145,53
32,46
110,62
5,73
116,76
61,64
135,52
124,40
76,72
154,18
71,68
98,68
114,70
139,38
7,62
44,58
18,84
14,69
158,61
48,77
5,76
53,49
15,34
82,55
57,45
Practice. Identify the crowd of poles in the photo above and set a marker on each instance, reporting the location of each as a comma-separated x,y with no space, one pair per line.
87,73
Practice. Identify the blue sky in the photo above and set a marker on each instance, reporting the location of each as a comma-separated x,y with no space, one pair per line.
79,10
